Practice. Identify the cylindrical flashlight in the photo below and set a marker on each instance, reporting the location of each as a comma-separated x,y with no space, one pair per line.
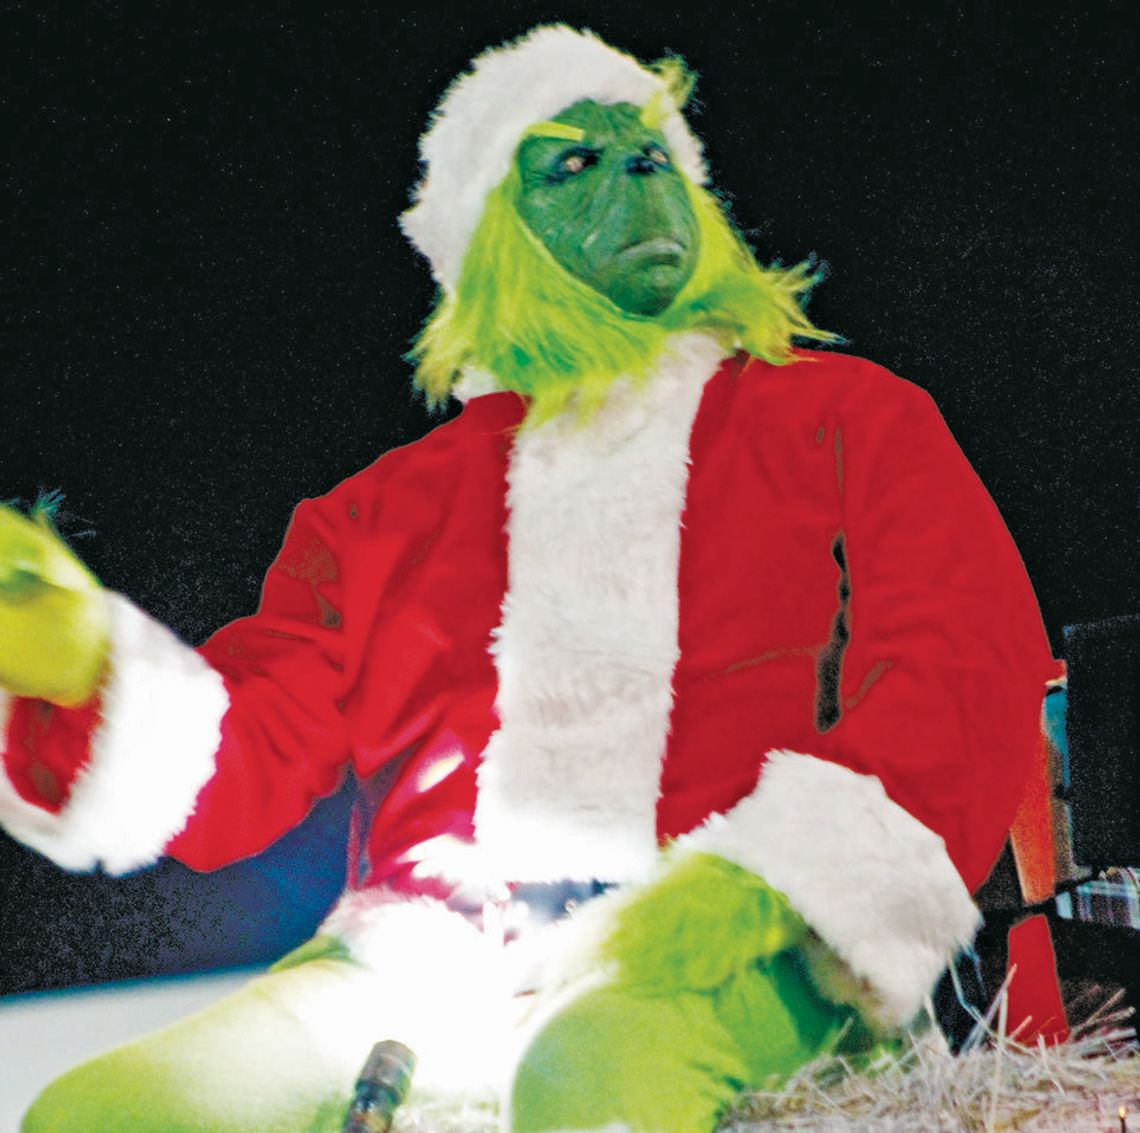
381,1088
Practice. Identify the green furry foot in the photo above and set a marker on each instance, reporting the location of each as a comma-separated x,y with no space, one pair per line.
251,1063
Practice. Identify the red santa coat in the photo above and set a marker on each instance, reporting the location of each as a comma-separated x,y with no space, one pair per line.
775,601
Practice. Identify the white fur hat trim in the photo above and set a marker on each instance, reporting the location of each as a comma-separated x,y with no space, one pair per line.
476,129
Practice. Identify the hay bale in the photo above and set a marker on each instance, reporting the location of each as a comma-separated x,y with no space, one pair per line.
994,1085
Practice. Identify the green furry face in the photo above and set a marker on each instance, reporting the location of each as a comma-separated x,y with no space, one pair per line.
540,310
609,206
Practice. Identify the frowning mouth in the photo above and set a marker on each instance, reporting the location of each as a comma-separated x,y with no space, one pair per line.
660,248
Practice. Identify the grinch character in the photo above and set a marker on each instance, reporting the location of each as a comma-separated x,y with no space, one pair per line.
718,638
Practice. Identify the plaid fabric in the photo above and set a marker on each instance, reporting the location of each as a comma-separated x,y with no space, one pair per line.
1111,899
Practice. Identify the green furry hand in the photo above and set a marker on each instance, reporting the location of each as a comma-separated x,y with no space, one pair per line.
54,624
703,922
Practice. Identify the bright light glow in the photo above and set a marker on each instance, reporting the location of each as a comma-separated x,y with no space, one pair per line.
438,771
428,979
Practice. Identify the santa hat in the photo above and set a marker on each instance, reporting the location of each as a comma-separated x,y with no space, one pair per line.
477,127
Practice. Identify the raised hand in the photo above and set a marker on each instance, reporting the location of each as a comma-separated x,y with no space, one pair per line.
54,621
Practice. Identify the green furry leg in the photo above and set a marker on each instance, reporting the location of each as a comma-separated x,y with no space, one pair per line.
652,1062
258,1061
709,998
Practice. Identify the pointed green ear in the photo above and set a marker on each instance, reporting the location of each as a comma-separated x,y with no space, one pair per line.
680,82
680,79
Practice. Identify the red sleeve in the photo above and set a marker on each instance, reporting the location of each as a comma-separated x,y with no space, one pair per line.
944,669
928,703
282,740
209,754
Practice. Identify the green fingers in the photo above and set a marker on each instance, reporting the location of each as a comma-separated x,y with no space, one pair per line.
54,623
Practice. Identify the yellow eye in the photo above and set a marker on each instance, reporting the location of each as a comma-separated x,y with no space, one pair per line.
657,155
570,163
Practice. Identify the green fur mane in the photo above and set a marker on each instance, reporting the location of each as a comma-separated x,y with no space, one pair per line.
518,315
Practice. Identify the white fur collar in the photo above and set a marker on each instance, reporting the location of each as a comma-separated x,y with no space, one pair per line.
568,785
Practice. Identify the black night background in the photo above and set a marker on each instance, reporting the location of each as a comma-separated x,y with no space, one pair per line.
207,300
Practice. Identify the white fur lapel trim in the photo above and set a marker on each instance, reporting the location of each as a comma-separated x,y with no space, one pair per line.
149,757
875,883
585,653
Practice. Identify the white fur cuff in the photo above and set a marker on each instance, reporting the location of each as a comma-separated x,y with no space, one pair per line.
875,883
150,754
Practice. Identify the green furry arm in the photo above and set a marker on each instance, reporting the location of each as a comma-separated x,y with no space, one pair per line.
700,924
